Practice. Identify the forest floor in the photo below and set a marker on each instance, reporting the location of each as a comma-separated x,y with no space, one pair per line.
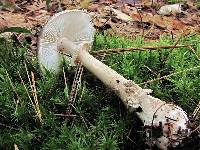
33,105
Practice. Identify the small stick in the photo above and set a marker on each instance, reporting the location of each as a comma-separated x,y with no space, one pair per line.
142,23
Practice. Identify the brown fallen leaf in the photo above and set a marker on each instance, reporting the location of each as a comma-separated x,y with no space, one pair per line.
13,20
85,4
120,15
36,6
163,22
93,7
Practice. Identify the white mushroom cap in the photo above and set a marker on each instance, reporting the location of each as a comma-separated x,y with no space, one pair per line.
73,24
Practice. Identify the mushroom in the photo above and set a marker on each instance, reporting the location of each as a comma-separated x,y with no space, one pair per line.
74,25
63,33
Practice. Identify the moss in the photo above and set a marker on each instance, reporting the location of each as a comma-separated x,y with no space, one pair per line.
100,121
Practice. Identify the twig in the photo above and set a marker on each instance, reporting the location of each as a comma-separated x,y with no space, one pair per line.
65,79
167,76
28,77
145,48
176,43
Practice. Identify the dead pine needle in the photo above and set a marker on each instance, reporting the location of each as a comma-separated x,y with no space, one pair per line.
65,115
15,91
81,116
22,81
195,130
193,51
196,112
167,76
65,78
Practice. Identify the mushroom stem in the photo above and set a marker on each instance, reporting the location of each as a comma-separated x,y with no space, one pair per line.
125,89
169,118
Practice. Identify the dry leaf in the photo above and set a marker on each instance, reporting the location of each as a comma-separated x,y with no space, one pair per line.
14,20
120,15
85,4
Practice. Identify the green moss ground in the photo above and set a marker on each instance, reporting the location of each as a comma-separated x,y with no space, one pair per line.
101,120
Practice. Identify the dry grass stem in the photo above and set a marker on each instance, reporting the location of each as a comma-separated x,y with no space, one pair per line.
22,81
196,112
196,129
15,91
65,79
173,74
33,90
153,72
81,116
65,115
73,93
193,51
39,115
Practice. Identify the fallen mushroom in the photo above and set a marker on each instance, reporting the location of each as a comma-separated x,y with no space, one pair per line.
169,118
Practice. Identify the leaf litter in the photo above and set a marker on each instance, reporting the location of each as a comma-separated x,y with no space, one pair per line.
125,17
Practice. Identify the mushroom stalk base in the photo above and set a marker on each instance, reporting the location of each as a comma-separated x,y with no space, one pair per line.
170,119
